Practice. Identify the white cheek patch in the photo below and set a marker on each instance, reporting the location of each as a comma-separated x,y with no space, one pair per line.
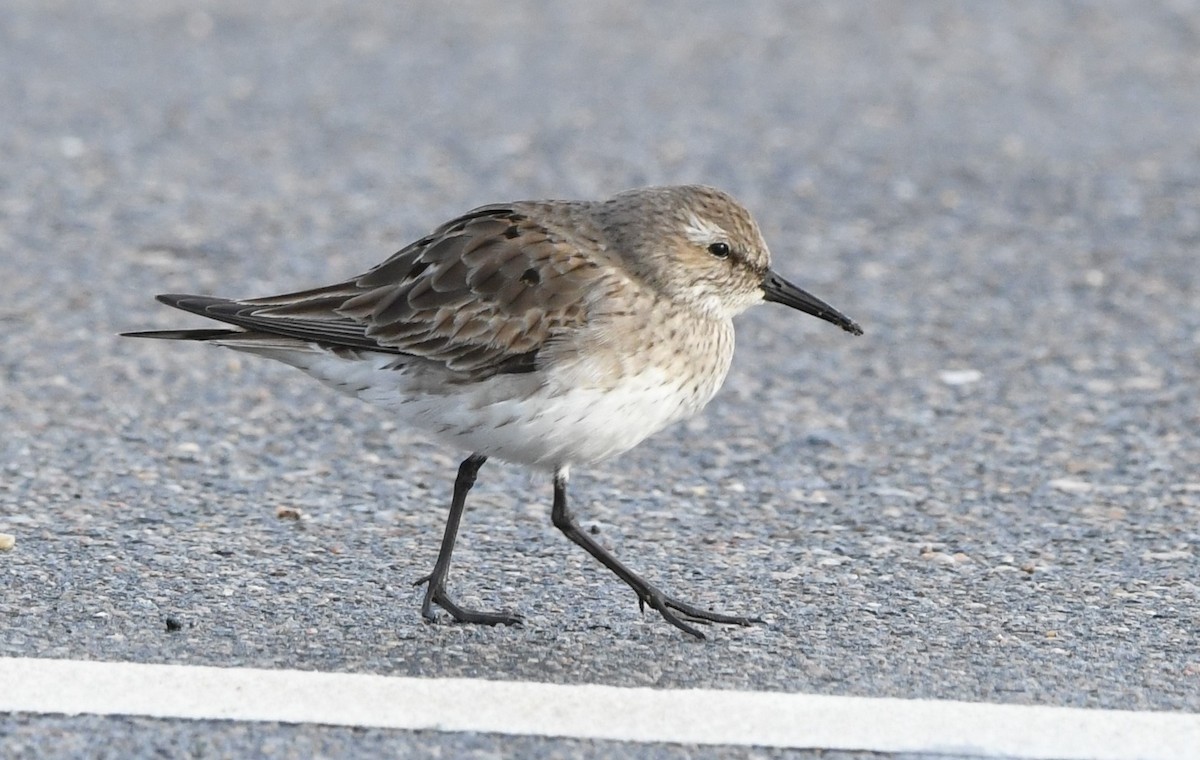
702,232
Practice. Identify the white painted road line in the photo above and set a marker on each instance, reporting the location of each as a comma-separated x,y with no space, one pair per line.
690,716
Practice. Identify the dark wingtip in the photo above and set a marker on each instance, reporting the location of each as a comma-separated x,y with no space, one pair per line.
181,334
186,301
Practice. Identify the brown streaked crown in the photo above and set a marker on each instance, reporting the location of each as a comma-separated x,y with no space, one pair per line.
666,236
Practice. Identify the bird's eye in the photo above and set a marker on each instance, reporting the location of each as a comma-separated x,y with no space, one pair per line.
720,250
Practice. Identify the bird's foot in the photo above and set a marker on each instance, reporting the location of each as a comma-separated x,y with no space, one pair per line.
679,613
436,594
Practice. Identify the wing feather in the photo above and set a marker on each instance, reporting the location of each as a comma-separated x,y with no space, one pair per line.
481,295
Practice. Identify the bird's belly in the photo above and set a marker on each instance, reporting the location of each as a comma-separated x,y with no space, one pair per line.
538,419
576,425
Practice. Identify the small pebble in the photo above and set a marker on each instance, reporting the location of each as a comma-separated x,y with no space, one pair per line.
960,376
287,513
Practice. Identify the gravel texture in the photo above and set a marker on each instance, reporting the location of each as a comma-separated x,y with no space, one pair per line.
993,495
121,738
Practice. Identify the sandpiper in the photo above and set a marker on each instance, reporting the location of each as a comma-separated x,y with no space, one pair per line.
544,333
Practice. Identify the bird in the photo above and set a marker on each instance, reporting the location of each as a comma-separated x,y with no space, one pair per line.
547,333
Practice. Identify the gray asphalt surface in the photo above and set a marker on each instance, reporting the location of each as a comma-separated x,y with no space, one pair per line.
993,495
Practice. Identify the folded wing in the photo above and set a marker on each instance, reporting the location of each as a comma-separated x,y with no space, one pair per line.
481,295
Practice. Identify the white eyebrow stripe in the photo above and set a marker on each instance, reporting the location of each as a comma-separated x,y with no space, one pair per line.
703,232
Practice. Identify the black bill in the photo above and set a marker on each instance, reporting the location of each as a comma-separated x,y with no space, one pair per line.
779,290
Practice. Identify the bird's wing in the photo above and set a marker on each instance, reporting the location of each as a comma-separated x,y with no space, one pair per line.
480,295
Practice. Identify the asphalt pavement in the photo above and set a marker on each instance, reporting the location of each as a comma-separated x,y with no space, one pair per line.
993,495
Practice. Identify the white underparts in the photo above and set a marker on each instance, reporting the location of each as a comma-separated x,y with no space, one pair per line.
539,419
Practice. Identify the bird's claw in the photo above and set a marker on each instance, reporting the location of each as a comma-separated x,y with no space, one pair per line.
668,606
436,594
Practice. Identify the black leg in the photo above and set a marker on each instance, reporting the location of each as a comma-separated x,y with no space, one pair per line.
647,594
436,593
